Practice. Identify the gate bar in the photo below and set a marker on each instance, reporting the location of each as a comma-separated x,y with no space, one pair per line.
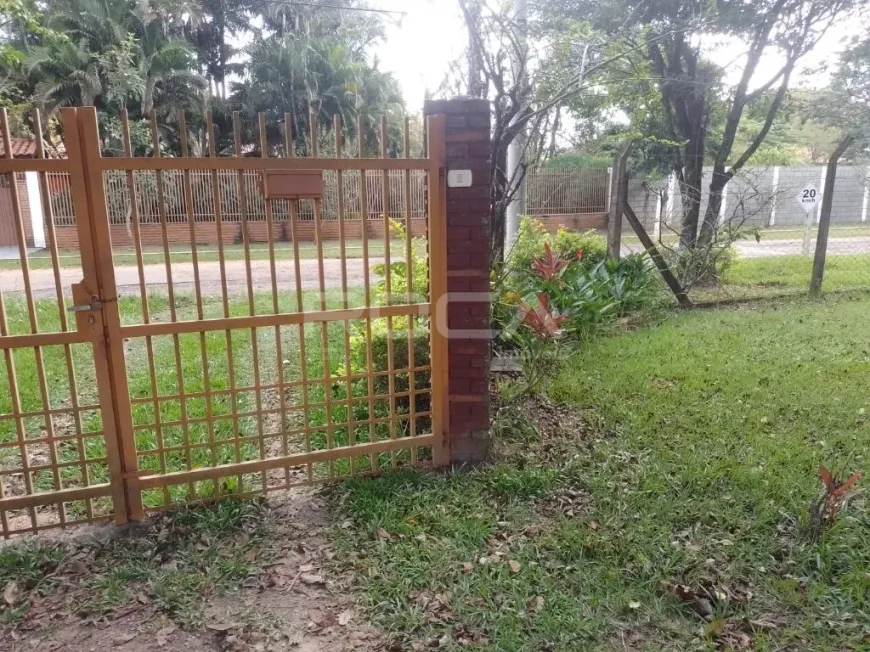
96,239
437,132
257,466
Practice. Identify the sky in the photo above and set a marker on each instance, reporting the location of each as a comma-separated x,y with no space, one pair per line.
420,46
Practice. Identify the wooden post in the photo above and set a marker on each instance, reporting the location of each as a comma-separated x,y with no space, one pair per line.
619,190
655,254
830,176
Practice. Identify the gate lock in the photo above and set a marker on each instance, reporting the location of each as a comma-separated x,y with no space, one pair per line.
96,304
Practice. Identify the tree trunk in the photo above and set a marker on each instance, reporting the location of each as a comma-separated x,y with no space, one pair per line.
690,193
711,215
476,81
499,206
557,122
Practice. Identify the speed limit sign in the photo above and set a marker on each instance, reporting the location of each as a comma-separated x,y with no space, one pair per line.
809,198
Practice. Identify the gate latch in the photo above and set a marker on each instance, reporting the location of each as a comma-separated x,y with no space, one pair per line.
85,300
87,307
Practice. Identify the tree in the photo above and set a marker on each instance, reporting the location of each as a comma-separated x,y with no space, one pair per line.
695,112
846,108
168,55
505,54
320,72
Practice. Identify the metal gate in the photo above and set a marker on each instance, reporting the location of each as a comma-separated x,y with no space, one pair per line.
222,352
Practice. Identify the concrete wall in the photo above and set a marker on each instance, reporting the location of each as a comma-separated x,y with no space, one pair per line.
760,197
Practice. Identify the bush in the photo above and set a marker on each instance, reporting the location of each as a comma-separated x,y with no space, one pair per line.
399,271
578,296
704,264
380,355
532,236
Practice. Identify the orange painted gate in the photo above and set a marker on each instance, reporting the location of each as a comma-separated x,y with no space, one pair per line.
133,379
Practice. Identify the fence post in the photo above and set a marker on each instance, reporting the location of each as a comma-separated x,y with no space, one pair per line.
672,192
657,226
775,192
467,307
619,191
722,217
866,199
822,179
830,176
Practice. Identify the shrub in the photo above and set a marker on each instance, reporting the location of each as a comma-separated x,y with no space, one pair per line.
399,271
532,236
580,295
380,355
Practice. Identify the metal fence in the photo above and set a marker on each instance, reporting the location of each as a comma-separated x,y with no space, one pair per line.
568,191
173,199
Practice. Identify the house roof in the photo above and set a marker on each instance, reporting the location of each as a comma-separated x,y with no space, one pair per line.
21,148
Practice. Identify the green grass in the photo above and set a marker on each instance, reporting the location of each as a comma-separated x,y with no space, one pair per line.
209,253
716,423
236,438
793,272
173,563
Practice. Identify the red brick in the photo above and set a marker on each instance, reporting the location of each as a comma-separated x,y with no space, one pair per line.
206,232
481,121
456,105
478,167
479,418
478,191
467,205
461,385
469,372
457,122
481,149
466,220
459,411
476,348
468,450
466,137
458,150
468,284
457,260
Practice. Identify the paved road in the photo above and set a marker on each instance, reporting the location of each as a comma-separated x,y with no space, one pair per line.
127,278
791,247
752,249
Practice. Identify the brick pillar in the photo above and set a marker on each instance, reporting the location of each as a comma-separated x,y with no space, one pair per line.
468,275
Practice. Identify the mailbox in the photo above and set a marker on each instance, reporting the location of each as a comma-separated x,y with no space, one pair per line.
293,184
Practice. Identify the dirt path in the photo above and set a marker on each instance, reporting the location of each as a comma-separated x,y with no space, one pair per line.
290,603
127,277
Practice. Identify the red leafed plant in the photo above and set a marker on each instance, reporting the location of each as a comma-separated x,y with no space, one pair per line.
543,322
551,266
833,496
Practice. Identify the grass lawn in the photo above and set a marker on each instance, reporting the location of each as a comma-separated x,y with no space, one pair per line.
209,253
236,438
694,475
790,272
785,275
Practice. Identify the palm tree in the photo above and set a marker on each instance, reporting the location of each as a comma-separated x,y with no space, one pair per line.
114,56
66,73
301,73
168,68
